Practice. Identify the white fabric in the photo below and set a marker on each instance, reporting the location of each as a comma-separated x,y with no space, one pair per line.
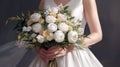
77,58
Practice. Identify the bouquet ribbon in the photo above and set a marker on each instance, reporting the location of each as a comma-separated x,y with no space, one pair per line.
52,63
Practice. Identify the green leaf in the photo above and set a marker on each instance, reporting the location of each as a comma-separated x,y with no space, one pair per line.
18,17
71,18
11,19
28,14
23,14
66,7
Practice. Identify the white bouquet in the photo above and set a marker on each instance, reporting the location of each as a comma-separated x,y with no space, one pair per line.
49,27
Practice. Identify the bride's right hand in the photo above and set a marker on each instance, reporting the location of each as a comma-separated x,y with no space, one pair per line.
42,54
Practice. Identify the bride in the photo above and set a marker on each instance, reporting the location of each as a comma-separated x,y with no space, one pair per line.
86,11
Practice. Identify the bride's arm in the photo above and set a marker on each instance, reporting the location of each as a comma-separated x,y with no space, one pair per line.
92,18
42,3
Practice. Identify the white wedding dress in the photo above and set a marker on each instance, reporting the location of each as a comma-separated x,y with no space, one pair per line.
77,58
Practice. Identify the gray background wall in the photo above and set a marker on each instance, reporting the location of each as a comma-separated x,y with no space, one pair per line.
107,51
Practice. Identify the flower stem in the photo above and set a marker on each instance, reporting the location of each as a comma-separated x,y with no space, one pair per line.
52,63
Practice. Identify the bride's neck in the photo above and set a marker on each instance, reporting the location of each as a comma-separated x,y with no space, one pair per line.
61,1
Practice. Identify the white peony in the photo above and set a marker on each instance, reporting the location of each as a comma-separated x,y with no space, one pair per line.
52,27
35,17
50,19
40,38
63,27
27,28
50,37
62,17
37,27
72,36
59,36
80,30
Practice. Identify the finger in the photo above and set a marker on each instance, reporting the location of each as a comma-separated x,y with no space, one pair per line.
62,53
37,49
44,59
53,55
54,50
54,47
52,58
43,50
43,53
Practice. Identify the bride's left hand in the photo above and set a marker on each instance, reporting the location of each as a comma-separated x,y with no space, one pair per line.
56,51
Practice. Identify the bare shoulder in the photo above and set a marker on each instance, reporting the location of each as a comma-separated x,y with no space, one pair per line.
89,3
42,1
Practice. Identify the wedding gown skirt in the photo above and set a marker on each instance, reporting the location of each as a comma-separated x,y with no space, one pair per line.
77,58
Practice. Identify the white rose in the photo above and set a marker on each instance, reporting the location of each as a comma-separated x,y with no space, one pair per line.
59,36
50,37
35,17
24,28
40,38
50,19
48,9
80,30
52,27
60,6
72,36
55,9
52,9
62,17
63,27
27,28
37,27
33,35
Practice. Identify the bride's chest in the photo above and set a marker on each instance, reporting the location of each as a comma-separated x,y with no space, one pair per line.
76,6
73,4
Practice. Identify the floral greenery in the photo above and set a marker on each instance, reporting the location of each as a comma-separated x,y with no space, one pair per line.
29,27
25,35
